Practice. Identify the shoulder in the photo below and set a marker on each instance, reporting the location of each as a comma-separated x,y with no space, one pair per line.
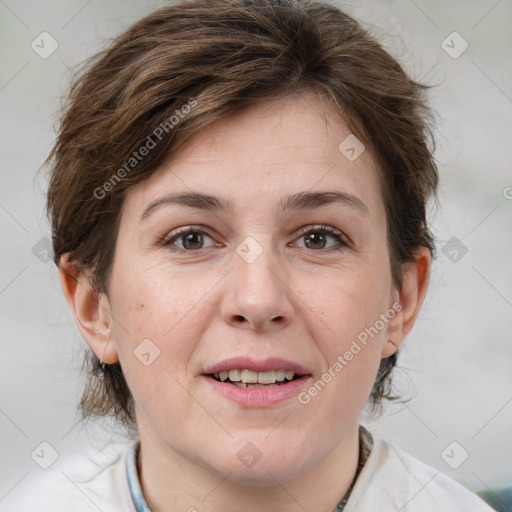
78,483
393,479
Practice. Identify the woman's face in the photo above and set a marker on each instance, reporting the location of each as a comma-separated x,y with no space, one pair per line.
257,287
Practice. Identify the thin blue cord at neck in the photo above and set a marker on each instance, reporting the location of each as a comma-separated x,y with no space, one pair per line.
133,479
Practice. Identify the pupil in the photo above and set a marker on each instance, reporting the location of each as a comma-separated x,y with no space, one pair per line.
190,238
322,237
317,239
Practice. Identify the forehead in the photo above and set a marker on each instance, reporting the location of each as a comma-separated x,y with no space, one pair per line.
289,144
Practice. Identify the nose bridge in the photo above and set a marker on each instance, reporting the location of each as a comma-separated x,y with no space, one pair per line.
256,264
259,297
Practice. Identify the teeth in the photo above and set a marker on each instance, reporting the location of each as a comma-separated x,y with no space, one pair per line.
280,375
235,375
249,377
253,386
267,377
244,377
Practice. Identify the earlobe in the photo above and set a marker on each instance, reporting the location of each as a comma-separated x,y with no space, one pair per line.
91,310
416,275
390,347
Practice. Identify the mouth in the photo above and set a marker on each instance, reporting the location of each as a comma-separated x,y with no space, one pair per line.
254,383
250,379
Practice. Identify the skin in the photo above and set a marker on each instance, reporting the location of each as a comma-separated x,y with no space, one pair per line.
202,306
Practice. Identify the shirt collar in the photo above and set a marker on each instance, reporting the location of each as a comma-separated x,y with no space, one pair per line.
133,479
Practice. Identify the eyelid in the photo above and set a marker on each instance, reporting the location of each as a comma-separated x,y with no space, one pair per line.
319,227
328,230
323,228
166,240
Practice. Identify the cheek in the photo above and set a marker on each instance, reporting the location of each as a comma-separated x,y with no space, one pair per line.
351,318
157,323
150,303
354,302
155,338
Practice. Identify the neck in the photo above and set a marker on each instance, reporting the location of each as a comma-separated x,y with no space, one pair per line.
171,482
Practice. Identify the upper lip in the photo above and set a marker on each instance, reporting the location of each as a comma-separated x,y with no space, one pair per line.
247,363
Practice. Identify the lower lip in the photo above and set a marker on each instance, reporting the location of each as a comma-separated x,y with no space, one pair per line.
258,397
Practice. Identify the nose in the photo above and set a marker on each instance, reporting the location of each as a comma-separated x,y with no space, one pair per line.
258,295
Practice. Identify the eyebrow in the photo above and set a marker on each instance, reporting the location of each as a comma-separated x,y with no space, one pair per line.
301,200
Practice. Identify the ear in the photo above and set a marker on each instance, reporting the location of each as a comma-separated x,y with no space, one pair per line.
416,277
91,310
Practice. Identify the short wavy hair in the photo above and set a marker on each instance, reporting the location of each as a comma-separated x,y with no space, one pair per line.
227,54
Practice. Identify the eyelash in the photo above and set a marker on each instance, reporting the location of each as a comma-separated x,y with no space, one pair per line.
323,229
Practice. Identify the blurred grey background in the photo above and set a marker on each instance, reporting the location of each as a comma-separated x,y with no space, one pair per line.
456,365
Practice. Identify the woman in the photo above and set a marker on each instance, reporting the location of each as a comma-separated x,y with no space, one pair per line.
237,198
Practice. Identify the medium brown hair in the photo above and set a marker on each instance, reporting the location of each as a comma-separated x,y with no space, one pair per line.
223,55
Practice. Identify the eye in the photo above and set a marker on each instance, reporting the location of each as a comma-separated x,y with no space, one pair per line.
315,237
191,238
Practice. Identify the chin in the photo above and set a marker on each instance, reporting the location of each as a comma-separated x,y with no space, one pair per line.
264,475
252,467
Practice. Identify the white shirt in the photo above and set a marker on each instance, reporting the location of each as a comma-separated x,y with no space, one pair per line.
391,480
